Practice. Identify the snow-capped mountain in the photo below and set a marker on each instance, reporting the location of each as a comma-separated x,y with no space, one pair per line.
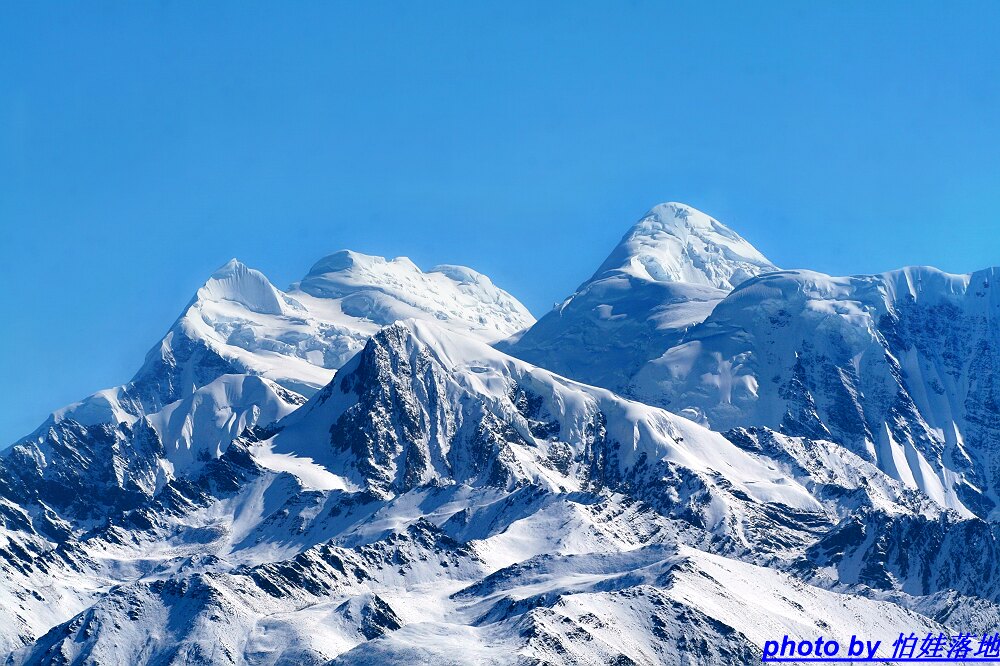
241,355
242,351
667,273
676,243
694,454
298,338
898,367
437,487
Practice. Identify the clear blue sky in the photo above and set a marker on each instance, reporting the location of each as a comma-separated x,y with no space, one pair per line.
144,144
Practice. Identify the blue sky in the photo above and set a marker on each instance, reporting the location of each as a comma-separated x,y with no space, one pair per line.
144,144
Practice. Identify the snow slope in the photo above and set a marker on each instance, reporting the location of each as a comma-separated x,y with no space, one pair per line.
898,367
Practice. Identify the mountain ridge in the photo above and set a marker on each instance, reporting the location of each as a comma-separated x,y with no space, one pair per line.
694,453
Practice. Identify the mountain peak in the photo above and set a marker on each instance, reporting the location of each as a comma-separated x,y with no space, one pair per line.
237,282
381,290
674,242
349,260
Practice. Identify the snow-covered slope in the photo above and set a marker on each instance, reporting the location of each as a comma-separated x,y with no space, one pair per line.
201,426
665,275
419,596
422,405
899,367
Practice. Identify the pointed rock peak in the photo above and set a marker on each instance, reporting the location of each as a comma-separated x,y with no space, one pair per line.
674,242
237,282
